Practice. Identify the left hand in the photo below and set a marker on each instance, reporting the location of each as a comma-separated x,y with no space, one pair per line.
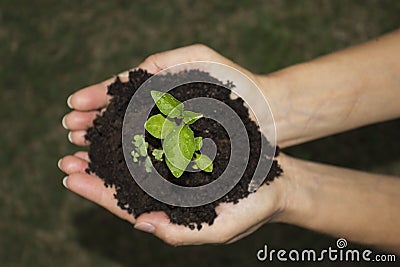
234,221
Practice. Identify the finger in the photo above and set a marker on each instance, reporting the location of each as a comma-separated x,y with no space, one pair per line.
78,120
94,97
90,98
178,235
93,189
124,76
72,164
159,224
78,138
83,155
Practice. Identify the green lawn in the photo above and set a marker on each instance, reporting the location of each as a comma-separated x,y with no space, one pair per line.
48,49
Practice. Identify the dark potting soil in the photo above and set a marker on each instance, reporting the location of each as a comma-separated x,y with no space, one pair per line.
107,159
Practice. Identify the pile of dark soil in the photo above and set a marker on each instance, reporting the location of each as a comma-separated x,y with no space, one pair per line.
107,159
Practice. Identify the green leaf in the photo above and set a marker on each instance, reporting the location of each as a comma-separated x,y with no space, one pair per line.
143,149
179,147
176,112
158,126
195,167
134,155
167,104
204,162
198,143
148,164
139,140
190,117
175,171
158,153
137,137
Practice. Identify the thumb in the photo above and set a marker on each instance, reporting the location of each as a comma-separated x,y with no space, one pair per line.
159,224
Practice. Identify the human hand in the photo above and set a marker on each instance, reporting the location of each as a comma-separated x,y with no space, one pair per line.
233,221
309,100
87,102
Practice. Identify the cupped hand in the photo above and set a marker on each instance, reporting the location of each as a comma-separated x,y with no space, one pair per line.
233,221
87,102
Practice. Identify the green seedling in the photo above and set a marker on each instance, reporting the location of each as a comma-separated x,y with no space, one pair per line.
180,146
140,150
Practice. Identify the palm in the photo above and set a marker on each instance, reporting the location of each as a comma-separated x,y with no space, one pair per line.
234,221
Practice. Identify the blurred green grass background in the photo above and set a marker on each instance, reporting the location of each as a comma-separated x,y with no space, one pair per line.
48,49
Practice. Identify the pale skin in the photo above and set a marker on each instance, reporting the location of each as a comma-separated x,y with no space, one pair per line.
331,94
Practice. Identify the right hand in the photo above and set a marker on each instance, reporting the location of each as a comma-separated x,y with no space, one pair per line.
87,101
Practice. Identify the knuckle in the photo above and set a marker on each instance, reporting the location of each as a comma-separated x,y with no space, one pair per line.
204,52
200,46
202,49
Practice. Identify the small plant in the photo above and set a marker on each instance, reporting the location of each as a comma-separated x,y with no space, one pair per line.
140,150
180,146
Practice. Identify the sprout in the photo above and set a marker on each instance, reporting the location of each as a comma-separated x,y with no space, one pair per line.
180,146
140,150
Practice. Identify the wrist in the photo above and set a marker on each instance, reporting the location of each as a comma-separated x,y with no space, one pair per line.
296,205
280,89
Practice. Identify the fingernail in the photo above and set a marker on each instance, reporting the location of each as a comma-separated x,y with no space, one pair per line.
63,122
65,182
69,101
70,136
59,163
145,227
